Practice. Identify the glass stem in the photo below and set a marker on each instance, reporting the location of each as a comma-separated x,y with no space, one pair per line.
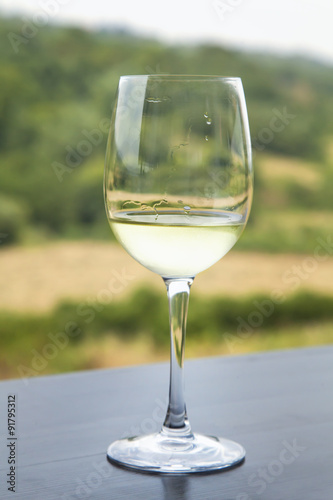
176,421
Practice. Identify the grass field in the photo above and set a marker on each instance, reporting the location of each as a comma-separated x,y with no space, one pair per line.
71,305
37,278
120,309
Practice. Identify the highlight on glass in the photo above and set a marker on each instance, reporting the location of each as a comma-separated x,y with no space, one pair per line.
178,191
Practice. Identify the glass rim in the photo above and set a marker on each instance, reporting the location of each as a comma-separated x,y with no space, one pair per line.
182,77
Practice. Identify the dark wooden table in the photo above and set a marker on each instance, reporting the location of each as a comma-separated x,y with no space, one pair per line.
278,405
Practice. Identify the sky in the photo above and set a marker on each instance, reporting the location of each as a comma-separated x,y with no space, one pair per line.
302,27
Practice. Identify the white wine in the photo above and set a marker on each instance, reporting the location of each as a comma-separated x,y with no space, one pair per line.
177,244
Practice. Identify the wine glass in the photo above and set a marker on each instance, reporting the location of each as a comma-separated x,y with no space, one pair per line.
178,191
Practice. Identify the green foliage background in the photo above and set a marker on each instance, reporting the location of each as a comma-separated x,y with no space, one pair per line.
64,339
57,90
57,87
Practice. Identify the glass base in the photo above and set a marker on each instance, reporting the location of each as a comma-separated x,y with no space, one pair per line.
164,452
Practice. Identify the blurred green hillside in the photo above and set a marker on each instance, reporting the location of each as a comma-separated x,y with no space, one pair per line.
57,88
